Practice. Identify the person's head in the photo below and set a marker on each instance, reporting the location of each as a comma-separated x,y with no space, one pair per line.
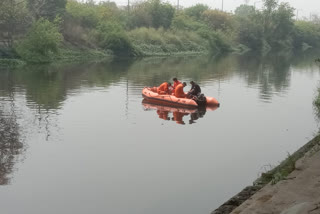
184,84
175,79
191,82
169,84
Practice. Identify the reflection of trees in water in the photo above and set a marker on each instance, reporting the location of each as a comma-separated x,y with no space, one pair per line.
48,86
153,71
10,144
272,73
269,73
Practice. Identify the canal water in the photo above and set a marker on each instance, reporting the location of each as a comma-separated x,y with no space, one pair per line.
77,138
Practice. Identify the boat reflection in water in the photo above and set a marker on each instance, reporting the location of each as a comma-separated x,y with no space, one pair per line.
178,114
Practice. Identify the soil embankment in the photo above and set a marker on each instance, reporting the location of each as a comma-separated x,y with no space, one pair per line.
296,193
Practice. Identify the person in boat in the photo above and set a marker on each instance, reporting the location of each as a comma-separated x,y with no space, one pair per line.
170,89
176,82
195,90
164,88
178,92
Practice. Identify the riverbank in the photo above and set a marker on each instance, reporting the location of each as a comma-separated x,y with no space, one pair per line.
292,187
65,56
86,55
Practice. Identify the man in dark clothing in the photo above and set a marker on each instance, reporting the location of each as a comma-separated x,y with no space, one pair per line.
195,90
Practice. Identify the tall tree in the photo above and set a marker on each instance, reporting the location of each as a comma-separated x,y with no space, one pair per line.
244,11
161,13
196,11
217,20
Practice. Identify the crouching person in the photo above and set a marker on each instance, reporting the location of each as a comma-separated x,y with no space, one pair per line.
164,88
178,92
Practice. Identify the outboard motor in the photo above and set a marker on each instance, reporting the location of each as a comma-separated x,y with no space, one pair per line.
201,100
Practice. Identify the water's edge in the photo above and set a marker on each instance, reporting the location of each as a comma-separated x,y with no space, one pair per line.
264,179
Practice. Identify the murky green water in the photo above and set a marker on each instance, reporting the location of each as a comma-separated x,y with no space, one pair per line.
78,139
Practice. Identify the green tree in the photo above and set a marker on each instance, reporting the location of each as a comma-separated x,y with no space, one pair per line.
271,28
278,23
183,22
41,42
152,13
268,14
283,26
140,16
161,13
307,33
196,11
217,20
244,11
249,28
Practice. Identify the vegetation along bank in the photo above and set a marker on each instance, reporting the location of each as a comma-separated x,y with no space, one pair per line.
40,31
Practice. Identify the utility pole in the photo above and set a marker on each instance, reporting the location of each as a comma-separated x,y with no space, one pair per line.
222,6
178,5
128,6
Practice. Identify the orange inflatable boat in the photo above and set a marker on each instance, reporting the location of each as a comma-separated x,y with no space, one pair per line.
152,96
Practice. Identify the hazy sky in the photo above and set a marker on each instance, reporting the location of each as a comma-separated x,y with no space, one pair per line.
305,6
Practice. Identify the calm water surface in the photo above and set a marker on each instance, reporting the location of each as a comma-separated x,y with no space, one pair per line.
78,139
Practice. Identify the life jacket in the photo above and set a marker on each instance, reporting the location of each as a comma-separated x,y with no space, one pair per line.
178,92
163,88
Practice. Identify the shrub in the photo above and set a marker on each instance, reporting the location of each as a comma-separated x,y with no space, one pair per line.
110,35
217,43
152,41
41,42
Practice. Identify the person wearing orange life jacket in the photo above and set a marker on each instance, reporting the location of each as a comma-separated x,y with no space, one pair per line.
178,92
163,88
176,82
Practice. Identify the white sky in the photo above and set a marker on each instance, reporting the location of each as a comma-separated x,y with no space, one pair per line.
305,7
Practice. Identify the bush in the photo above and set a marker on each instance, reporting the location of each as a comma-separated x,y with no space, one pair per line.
184,22
112,36
41,42
217,42
306,32
152,41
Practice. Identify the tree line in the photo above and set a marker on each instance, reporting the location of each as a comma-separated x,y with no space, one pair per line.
39,30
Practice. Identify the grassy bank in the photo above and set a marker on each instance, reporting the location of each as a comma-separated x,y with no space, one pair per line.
77,55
